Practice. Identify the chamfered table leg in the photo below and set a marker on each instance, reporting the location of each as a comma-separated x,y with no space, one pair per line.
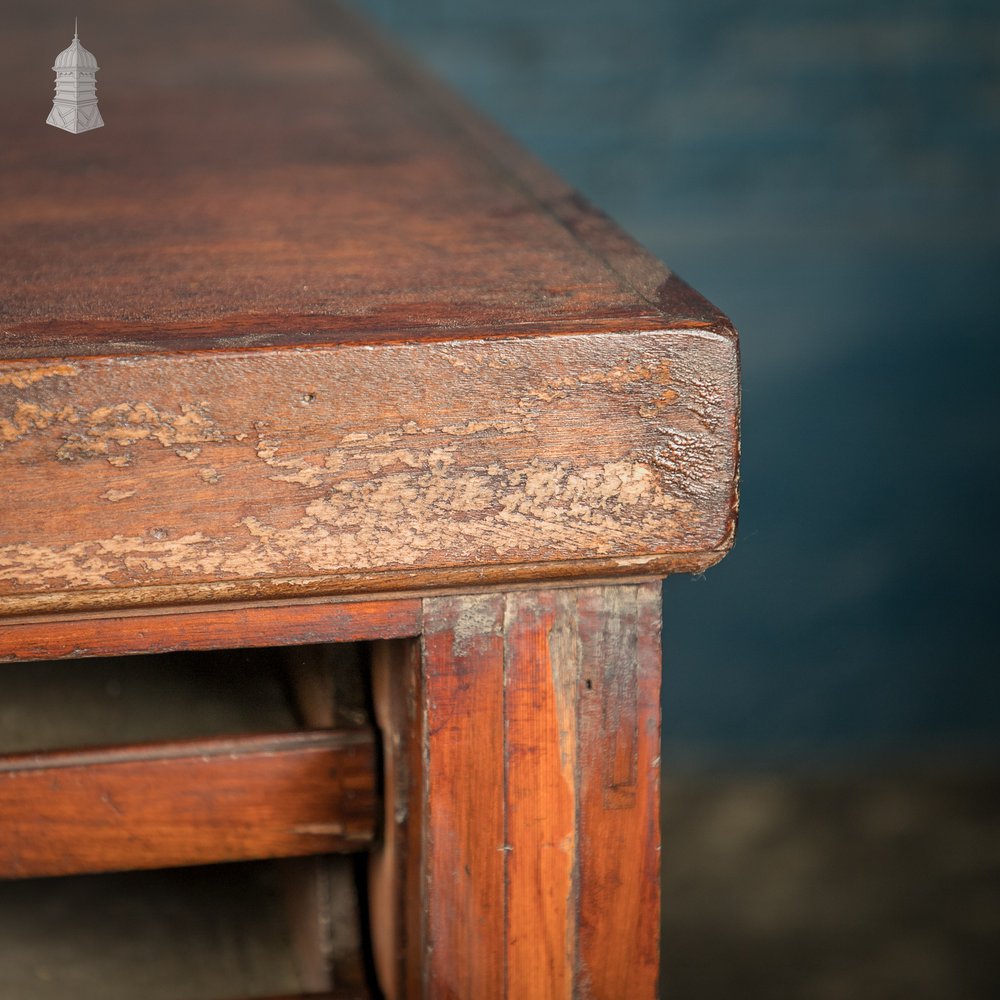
521,857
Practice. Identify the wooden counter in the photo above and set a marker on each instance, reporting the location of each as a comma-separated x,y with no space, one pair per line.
298,349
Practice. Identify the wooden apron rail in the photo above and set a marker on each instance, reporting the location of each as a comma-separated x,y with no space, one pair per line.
187,803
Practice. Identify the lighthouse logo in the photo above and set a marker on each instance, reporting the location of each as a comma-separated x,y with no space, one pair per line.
75,106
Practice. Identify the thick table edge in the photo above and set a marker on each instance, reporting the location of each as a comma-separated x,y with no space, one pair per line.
342,590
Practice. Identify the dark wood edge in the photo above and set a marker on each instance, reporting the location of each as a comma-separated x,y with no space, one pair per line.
634,266
310,333
333,589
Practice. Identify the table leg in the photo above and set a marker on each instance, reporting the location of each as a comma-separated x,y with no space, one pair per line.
522,847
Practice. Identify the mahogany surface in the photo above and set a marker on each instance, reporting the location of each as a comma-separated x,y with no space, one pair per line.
272,173
297,322
298,350
186,803
207,628
521,743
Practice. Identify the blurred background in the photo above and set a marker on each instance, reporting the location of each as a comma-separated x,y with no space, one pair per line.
828,173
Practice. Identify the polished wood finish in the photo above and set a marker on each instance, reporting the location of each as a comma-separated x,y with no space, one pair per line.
618,766
186,803
187,629
357,203
462,861
526,798
334,336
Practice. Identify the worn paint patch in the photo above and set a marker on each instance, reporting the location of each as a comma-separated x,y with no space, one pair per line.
21,378
400,520
392,449
27,417
480,618
453,474
107,431
114,496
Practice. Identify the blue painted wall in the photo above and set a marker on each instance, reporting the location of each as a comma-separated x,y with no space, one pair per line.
829,174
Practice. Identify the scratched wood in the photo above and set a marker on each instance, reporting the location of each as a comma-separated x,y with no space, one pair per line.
185,803
297,182
618,735
538,796
297,322
448,463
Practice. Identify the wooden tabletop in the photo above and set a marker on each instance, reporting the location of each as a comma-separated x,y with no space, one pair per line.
297,321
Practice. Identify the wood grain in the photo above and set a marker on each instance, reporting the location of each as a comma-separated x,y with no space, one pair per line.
401,467
354,342
186,803
464,854
540,795
618,733
536,794
356,201
206,629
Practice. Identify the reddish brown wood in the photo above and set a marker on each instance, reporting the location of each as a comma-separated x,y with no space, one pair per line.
228,628
538,794
541,795
355,203
186,803
471,376
297,325
464,852
618,735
